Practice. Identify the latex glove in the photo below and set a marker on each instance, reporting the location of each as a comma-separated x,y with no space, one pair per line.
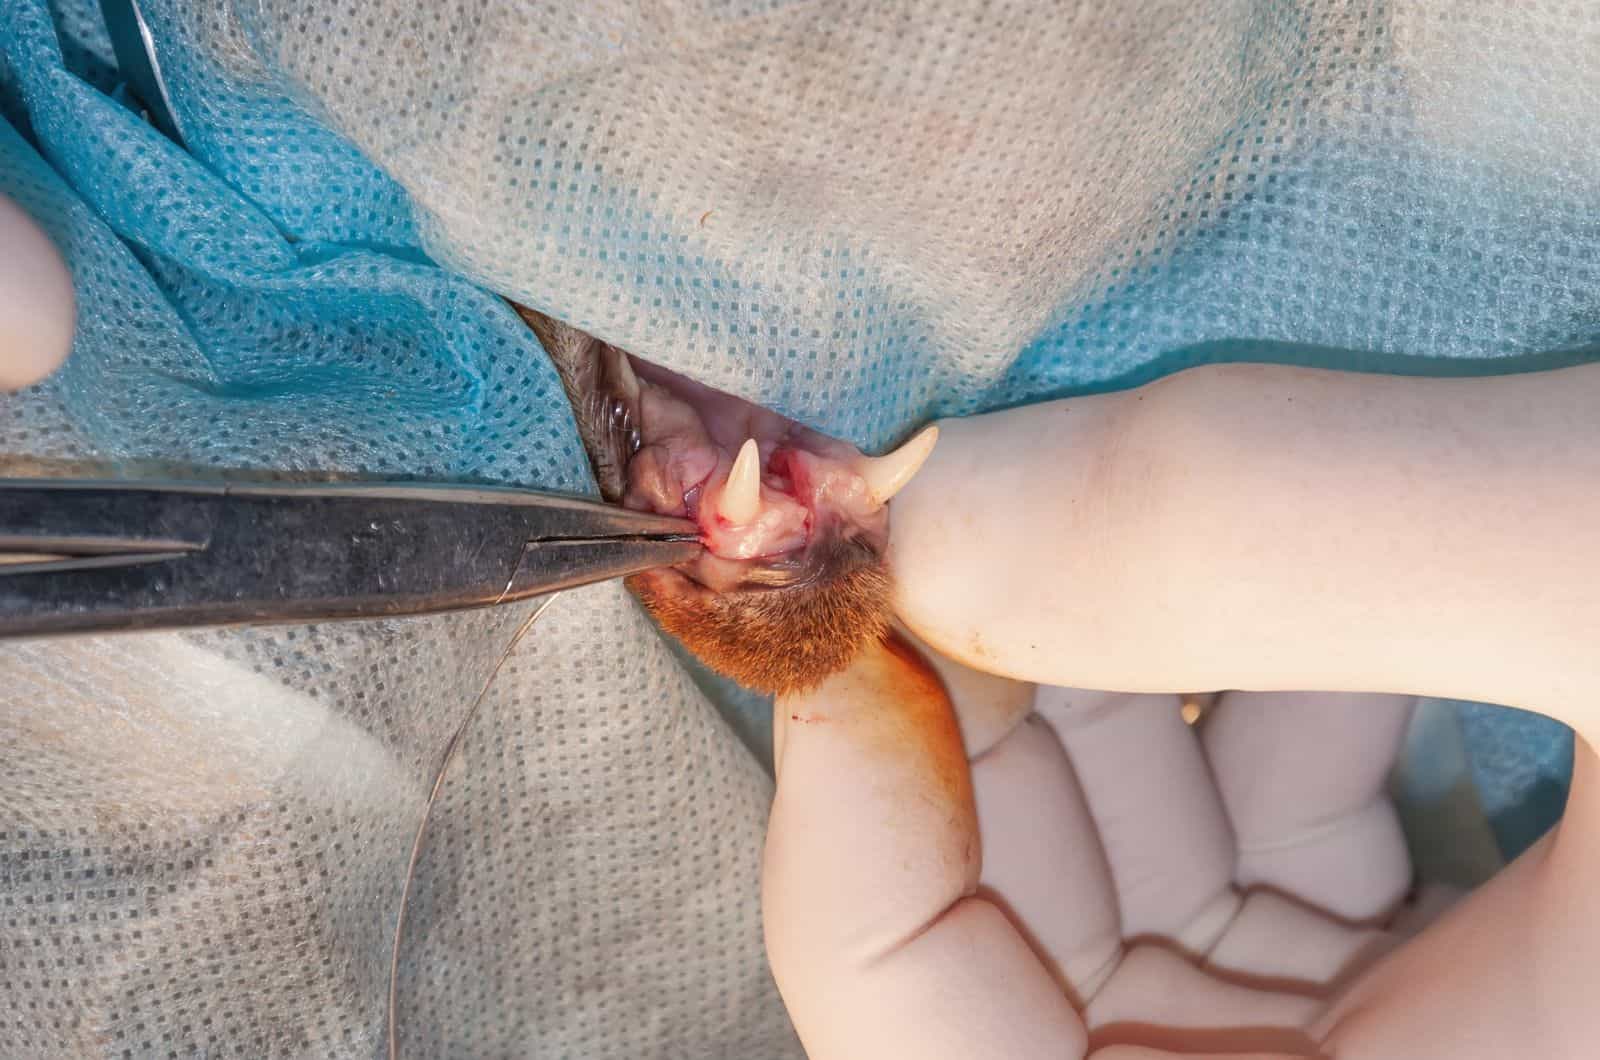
37,309
1103,876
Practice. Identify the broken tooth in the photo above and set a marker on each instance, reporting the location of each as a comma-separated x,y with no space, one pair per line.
887,475
741,494
621,370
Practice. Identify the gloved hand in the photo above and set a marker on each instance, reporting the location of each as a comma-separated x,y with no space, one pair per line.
36,301
1101,876
1103,861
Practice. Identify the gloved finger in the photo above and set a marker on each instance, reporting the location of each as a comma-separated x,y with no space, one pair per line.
1043,864
1042,861
1150,794
1142,1052
1508,971
987,706
877,941
1302,776
37,308
1170,849
1158,998
1275,941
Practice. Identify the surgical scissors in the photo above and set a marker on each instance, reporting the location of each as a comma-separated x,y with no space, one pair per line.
92,557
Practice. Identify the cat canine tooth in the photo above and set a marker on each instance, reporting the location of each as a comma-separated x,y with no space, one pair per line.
741,494
887,475
622,371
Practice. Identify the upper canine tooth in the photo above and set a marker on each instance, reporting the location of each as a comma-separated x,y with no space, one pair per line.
741,494
621,370
887,475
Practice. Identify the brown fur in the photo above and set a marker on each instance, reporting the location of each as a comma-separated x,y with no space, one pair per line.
576,356
777,640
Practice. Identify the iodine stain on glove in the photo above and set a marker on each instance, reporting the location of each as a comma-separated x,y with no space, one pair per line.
879,941
897,713
874,825
793,580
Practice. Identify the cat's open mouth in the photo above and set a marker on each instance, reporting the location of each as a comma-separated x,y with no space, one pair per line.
795,524
769,495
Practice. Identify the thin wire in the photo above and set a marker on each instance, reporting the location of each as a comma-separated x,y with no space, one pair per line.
427,810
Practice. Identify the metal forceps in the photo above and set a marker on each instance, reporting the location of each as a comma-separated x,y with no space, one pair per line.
94,557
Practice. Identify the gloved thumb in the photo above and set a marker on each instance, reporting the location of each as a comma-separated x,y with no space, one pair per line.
877,940
36,301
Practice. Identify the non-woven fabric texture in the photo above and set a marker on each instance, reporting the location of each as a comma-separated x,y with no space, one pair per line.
863,214
1521,769
204,837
